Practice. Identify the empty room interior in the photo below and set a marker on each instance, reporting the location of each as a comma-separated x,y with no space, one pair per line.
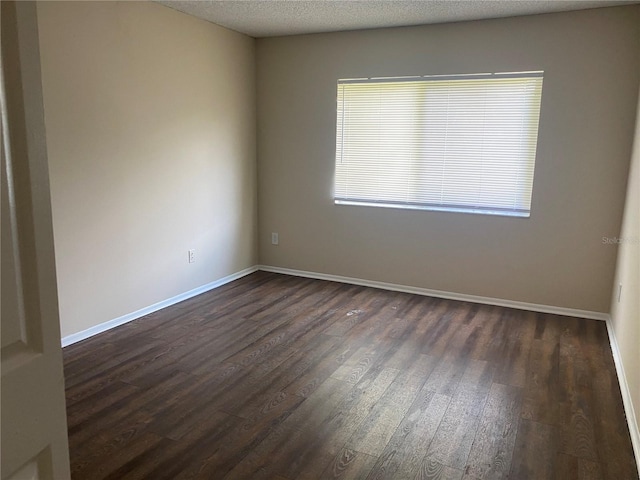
312,240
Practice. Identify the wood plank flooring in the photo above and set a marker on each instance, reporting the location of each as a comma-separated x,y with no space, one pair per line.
279,377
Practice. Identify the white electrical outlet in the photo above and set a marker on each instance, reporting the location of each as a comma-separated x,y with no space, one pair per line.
192,255
274,238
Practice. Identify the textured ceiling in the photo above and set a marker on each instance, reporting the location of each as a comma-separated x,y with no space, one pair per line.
268,18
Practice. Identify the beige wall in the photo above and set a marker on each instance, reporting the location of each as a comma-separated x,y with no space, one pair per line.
556,257
625,315
150,118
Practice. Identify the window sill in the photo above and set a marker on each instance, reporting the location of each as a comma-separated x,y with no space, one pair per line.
436,208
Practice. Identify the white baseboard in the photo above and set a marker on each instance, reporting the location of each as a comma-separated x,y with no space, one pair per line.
629,411
534,307
103,327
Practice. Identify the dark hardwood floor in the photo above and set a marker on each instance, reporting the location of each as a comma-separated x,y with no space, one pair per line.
280,377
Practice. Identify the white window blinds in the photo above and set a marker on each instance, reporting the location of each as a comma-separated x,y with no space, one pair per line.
462,143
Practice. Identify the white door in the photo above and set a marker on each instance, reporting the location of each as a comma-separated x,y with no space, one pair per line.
34,425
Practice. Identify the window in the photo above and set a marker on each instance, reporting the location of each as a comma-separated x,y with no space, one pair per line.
458,143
